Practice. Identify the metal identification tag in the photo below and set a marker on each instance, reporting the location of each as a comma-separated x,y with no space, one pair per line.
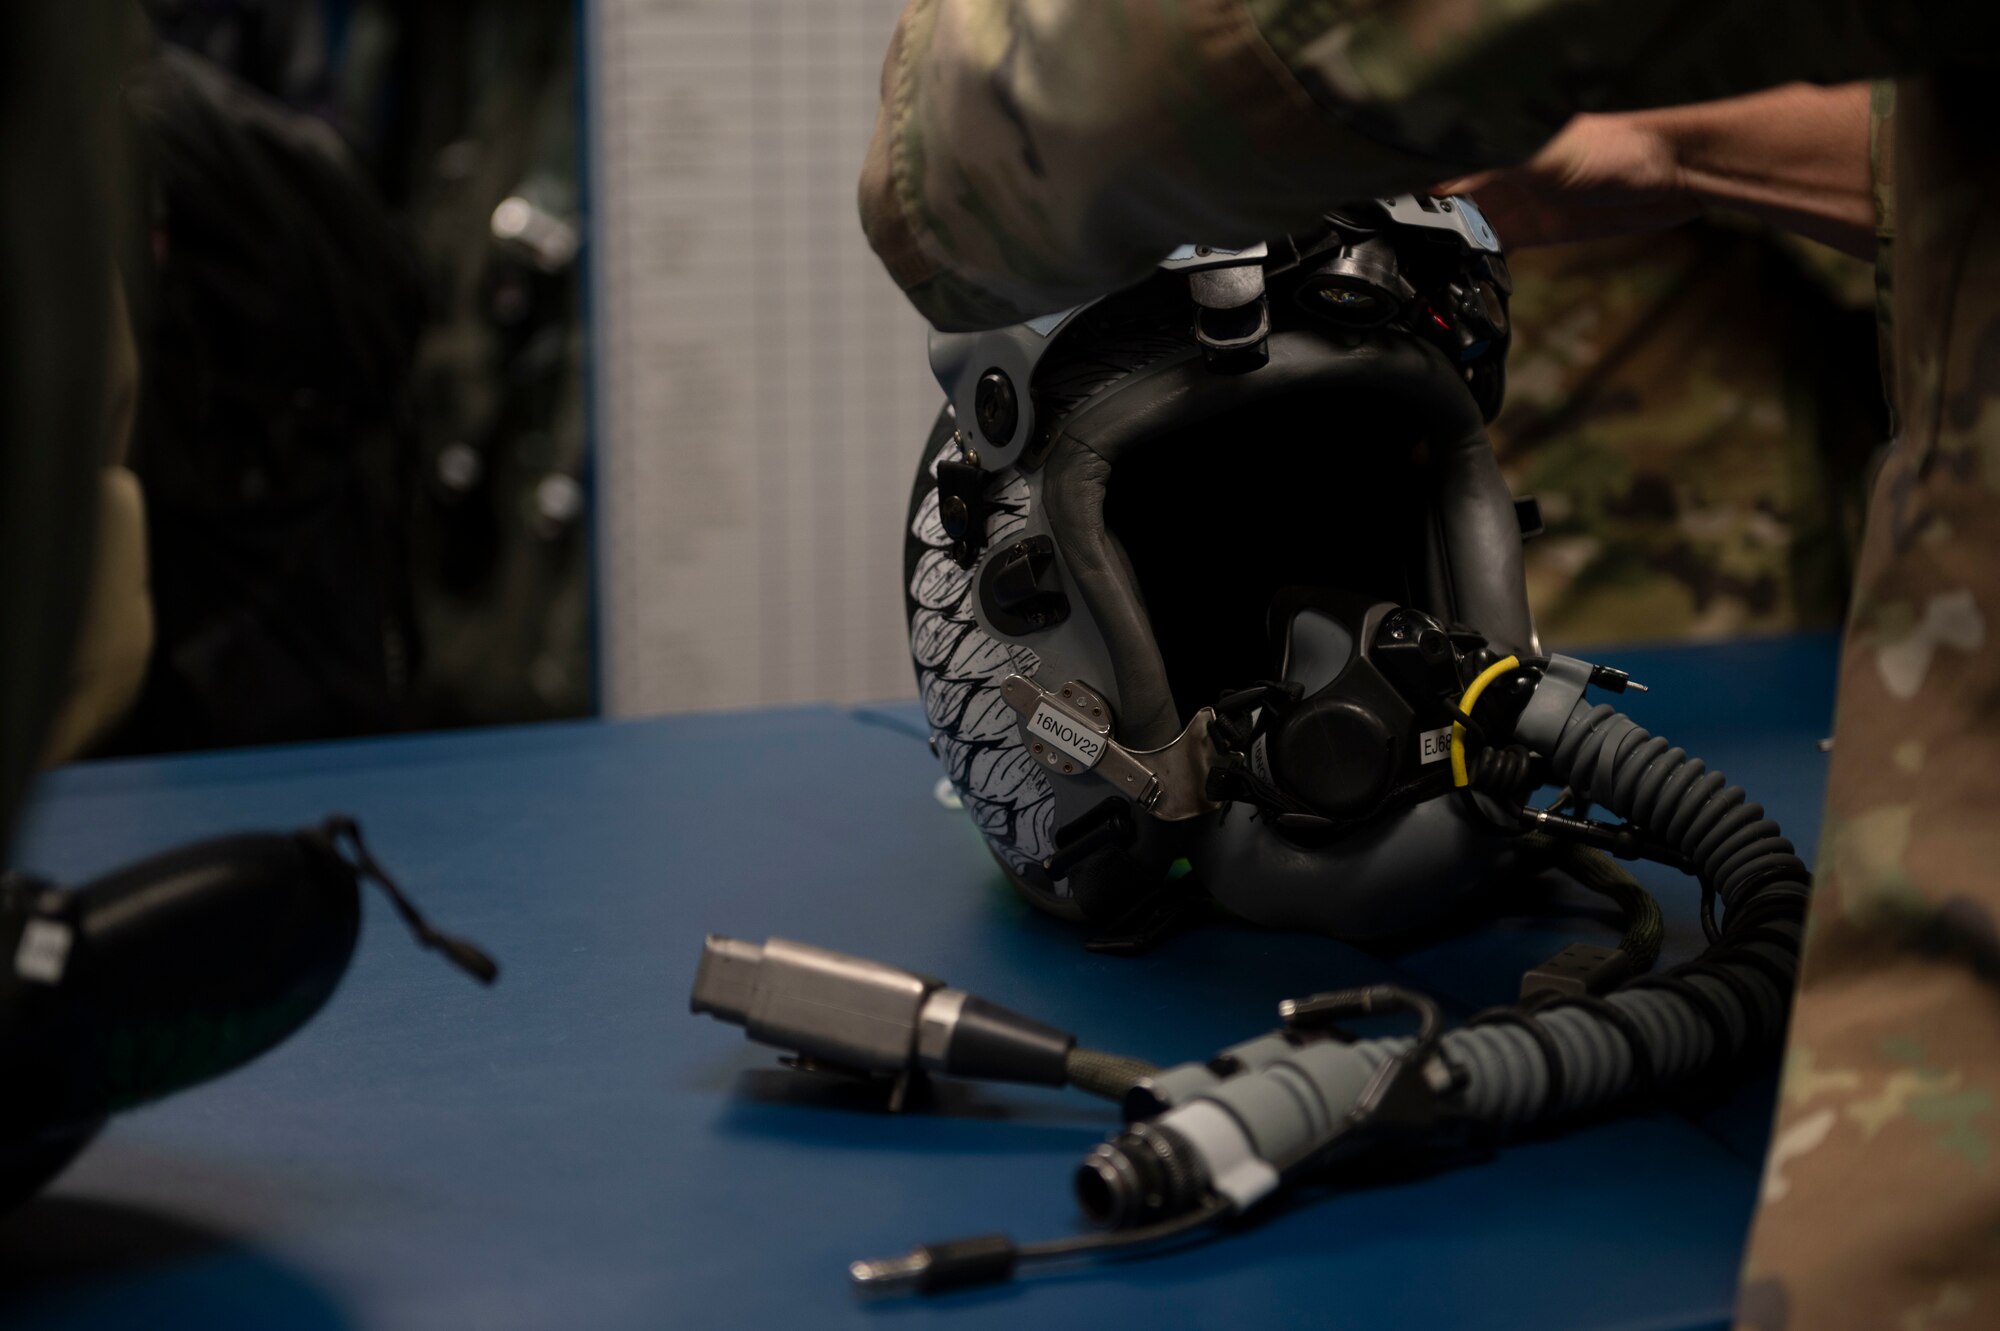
1059,731
1069,732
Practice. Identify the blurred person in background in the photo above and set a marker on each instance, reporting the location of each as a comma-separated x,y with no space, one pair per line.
114,635
462,116
350,297
66,355
276,309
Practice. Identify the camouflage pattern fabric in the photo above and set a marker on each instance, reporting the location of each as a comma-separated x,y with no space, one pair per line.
1695,411
1015,170
1881,1204
1032,154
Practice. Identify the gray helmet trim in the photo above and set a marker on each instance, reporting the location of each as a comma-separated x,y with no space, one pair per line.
1478,576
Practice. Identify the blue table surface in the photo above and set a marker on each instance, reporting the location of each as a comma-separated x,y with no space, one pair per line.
572,1148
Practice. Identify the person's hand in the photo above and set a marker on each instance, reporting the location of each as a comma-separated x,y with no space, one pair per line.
1794,156
1602,175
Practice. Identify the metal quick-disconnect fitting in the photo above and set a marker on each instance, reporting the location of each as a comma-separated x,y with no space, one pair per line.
1228,1132
1146,1173
1234,1140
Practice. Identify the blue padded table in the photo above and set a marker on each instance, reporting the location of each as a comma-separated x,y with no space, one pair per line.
573,1149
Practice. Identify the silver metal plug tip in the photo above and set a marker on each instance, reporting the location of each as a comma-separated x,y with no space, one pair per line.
725,983
890,1273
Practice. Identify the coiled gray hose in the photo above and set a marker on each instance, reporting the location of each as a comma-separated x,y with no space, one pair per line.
1574,1055
1229,1132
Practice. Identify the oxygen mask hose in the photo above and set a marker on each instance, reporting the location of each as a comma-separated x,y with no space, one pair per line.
1288,1104
1212,1140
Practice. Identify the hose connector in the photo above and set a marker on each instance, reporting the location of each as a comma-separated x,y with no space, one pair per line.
1147,1173
1294,1103
1547,714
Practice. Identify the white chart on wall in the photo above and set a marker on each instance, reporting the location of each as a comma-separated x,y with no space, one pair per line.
761,391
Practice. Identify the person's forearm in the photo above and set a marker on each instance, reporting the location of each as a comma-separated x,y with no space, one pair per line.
1031,155
1796,157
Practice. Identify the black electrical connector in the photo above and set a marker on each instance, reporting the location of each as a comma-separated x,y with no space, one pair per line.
990,1258
1614,681
931,1267
1619,839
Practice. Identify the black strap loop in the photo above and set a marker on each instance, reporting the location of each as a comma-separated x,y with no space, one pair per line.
342,832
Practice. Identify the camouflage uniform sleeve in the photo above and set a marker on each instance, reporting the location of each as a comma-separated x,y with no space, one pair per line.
1033,153
1882,1186
1029,156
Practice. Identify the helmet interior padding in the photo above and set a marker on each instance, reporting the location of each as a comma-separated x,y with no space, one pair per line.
1324,427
